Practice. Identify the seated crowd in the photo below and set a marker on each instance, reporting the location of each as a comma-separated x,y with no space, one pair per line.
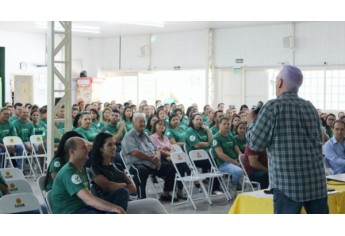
141,139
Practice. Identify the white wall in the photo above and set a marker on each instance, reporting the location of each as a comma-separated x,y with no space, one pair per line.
261,47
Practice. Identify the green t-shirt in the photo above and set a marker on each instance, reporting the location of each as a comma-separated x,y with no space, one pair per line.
129,125
101,125
55,166
68,182
204,118
185,121
214,130
227,143
329,132
7,129
13,118
178,134
95,125
40,129
113,130
24,130
241,143
87,134
194,137
2,180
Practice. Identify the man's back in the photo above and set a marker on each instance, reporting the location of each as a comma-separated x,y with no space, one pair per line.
289,127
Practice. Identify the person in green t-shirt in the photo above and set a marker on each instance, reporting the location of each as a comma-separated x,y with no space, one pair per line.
240,130
216,117
198,136
3,186
70,191
175,133
94,118
225,152
329,124
149,123
105,118
204,115
24,128
235,119
118,130
178,112
127,117
59,160
17,110
7,129
86,130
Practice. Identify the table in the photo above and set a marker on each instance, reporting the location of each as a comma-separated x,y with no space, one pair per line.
260,203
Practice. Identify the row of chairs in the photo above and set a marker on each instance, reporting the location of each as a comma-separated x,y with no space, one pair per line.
21,199
35,141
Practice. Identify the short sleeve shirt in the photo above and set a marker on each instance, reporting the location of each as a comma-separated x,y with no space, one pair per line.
87,134
24,129
40,129
55,166
7,129
227,143
178,134
193,137
69,181
111,173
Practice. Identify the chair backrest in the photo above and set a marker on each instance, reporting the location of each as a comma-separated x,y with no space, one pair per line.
37,139
242,160
12,173
49,201
198,155
41,184
213,161
12,140
19,186
185,148
177,148
178,158
19,203
126,170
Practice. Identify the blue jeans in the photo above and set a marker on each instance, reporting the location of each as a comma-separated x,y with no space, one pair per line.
285,205
235,171
19,151
119,197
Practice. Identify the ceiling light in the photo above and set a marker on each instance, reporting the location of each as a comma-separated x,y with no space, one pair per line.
144,23
75,27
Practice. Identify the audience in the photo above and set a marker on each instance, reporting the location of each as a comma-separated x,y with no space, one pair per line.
240,135
329,122
127,117
175,133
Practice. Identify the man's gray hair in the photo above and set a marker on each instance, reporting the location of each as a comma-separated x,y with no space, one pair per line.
292,77
138,115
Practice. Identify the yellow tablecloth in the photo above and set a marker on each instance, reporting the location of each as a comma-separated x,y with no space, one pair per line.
260,203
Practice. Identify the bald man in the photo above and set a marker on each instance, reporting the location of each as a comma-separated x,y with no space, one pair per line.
289,128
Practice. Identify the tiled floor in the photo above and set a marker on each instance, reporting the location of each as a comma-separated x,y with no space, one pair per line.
220,205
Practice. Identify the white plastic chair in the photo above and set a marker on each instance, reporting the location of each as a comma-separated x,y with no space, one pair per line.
15,140
37,140
19,203
19,186
227,183
12,173
40,183
149,182
180,158
177,148
201,154
246,179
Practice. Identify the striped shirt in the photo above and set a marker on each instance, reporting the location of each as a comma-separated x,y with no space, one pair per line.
289,128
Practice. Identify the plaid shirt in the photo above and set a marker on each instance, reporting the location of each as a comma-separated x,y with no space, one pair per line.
289,128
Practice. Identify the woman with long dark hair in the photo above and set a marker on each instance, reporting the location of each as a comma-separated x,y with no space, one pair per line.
59,160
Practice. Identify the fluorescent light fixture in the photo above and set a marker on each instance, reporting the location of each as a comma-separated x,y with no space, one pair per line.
75,27
144,23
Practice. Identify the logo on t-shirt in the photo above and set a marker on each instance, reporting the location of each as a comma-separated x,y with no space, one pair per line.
76,179
168,133
192,138
214,142
57,164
